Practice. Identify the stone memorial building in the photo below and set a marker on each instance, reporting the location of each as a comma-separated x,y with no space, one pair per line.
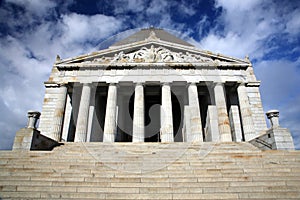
154,87
151,117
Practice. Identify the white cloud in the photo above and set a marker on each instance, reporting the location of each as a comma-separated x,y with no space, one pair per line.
82,28
254,27
35,7
293,24
26,60
237,5
121,6
244,27
186,9
158,7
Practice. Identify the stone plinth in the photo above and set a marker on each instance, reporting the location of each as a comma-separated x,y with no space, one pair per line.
276,137
30,139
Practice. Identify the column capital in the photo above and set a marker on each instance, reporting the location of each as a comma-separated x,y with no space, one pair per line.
272,113
86,84
114,84
273,116
218,84
166,83
191,83
139,83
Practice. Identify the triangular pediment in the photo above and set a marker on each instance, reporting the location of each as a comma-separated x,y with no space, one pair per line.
152,51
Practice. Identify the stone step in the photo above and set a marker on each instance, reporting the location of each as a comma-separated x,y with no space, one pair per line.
150,171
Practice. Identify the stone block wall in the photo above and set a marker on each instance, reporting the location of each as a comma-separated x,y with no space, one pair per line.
256,109
51,99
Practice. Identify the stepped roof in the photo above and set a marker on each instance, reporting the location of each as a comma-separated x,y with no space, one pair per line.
144,34
152,47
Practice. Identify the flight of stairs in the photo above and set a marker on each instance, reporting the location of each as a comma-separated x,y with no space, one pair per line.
150,171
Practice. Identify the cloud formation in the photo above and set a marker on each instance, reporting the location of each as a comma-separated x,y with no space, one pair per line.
27,58
33,32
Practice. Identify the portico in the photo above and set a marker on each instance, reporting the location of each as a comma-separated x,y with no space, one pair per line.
153,112
152,87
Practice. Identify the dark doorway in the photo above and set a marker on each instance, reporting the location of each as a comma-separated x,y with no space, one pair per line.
177,109
125,113
204,101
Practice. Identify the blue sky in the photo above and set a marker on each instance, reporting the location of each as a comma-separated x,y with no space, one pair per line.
33,32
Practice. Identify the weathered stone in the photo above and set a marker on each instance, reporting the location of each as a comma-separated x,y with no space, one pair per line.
123,86
138,134
166,131
81,126
223,120
110,117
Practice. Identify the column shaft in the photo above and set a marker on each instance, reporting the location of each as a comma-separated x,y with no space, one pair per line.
196,126
59,113
223,120
83,114
138,115
166,115
110,116
67,119
246,114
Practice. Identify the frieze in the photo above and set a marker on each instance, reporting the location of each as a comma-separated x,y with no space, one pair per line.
155,55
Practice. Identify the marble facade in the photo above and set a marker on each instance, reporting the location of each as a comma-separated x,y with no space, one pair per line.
151,89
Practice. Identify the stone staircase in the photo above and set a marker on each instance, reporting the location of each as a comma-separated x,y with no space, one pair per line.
150,171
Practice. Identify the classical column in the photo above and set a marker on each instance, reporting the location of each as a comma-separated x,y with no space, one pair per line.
235,123
223,120
110,116
138,114
166,131
90,123
83,114
59,113
247,120
196,126
212,133
67,119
